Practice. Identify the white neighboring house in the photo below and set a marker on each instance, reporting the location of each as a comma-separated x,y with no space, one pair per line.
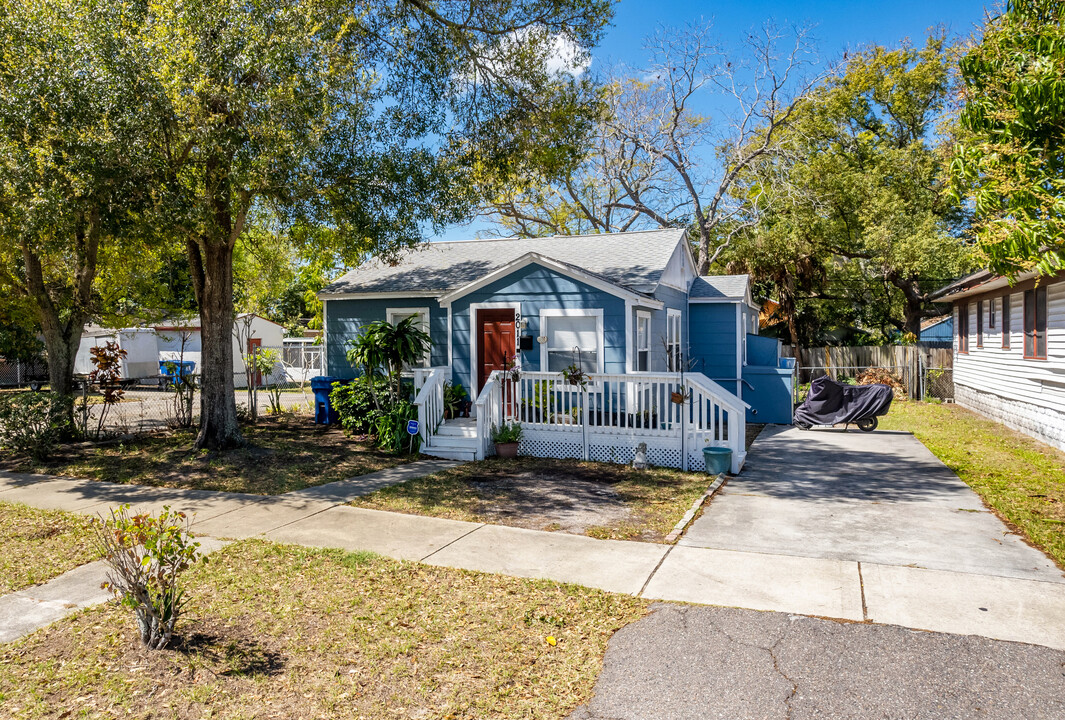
249,331
140,344
1009,351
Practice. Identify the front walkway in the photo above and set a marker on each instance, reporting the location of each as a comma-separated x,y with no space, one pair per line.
1007,608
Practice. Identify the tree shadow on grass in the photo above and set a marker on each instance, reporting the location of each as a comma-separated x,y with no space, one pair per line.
231,656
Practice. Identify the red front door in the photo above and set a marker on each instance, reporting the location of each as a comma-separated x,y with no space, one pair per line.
496,342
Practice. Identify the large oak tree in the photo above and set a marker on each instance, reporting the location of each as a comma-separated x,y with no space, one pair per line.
78,121
363,117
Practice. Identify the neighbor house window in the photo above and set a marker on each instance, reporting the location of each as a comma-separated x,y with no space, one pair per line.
643,342
1035,323
963,328
397,315
980,324
673,355
1005,322
991,312
572,336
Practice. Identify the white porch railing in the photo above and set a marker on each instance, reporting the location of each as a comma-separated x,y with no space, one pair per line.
488,413
429,399
677,416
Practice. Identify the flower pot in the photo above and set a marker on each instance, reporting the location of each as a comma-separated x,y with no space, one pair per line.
718,460
507,450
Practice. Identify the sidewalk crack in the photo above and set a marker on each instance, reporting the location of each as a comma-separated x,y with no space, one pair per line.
861,585
463,535
653,572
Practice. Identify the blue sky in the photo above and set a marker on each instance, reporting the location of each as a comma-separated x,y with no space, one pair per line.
839,25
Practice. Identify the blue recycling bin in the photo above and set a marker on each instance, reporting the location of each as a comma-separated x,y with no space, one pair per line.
321,386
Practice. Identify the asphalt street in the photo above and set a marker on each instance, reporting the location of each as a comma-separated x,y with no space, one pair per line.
695,662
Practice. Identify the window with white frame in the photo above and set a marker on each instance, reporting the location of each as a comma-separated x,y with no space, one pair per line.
673,335
397,315
643,342
574,337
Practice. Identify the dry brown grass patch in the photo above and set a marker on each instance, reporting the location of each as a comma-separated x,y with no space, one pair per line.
38,545
280,631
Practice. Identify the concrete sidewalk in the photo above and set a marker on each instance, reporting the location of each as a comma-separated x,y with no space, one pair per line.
1004,608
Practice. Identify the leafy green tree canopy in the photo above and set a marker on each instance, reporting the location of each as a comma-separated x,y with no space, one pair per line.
1010,158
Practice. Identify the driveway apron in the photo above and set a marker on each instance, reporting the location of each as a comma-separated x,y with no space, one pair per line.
880,498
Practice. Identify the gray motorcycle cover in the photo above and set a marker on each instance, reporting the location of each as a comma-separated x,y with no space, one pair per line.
830,402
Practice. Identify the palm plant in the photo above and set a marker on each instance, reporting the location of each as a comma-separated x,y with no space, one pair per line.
391,347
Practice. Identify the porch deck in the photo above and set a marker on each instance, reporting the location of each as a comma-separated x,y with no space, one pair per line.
675,414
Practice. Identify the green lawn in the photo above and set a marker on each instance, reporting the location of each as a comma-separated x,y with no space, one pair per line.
38,545
1022,479
284,453
281,631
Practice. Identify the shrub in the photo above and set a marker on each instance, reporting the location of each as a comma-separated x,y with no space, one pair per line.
355,402
146,556
33,422
507,433
391,428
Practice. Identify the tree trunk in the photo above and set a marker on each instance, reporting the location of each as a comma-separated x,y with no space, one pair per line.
212,271
62,335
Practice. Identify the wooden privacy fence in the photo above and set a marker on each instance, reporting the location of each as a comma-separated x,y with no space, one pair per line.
910,363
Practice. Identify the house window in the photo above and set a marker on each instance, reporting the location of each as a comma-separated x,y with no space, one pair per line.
643,342
1035,323
572,335
963,328
991,313
1005,322
980,324
673,354
397,315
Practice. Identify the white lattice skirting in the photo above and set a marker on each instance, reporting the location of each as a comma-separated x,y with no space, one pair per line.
607,447
1042,423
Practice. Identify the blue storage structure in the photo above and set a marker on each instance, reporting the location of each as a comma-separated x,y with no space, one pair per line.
171,370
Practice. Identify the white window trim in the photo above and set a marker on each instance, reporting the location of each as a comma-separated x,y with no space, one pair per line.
597,313
670,314
475,334
427,361
641,315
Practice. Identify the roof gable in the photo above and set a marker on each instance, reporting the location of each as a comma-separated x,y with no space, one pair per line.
634,261
720,288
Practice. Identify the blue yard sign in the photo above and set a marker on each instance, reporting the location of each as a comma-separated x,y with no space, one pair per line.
412,427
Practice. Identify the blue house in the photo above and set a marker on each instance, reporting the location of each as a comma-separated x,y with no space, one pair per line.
937,331
673,359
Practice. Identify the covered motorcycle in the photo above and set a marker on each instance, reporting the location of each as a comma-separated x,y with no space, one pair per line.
831,403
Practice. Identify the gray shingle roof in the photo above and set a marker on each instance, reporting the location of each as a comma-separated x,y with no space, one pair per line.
720,287
633,260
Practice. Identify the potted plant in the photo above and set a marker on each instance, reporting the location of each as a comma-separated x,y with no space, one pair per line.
575,375
454,399
506,438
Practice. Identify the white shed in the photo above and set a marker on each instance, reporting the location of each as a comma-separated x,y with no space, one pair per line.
142,350
180,339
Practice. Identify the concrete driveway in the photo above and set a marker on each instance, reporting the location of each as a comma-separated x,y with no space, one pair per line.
879,497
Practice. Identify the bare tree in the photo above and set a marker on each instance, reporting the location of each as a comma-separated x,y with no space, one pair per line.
657,161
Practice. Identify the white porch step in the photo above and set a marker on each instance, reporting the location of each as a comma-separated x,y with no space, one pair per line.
450,453
454,440
453,428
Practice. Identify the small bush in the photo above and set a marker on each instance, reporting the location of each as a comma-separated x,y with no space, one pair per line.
146,556
354,403
391,428
507,433
33,422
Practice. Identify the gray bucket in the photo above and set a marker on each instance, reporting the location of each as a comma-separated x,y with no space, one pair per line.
718,460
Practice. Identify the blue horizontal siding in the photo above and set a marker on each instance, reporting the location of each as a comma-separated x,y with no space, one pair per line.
345,318
713,342
534,288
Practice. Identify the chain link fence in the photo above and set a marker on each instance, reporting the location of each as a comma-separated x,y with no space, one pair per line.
267,381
